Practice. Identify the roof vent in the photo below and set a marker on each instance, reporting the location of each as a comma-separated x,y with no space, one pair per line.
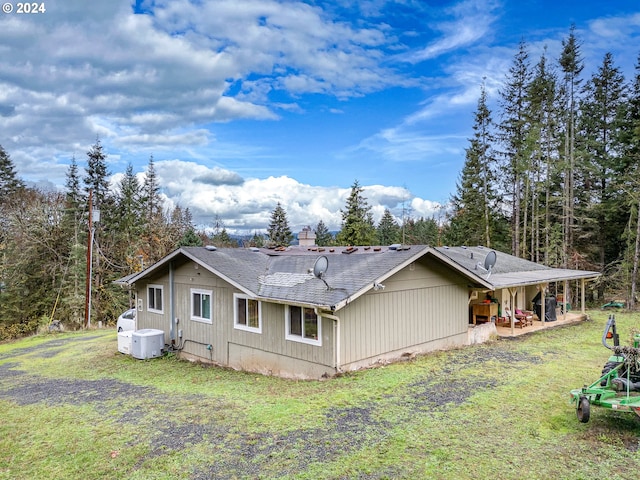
211,248
254,249
395,246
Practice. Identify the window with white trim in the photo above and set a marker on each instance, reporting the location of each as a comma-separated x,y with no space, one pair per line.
201,302
303,325
154,299
247,313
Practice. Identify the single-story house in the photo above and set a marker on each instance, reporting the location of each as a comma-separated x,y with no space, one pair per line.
309,312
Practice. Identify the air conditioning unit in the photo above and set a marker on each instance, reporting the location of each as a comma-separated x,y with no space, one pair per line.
124,342
147,343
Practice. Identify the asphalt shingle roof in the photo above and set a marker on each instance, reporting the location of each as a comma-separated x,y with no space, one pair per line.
286,275
508,271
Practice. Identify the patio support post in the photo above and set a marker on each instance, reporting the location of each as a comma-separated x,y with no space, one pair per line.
565,285
543,299
512,293
582,307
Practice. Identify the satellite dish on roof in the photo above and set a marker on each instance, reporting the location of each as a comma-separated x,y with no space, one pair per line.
321,265
489,262
319,269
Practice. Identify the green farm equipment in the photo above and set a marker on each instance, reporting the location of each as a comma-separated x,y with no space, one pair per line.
619,386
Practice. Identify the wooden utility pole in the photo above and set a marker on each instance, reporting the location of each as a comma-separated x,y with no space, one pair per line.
87,302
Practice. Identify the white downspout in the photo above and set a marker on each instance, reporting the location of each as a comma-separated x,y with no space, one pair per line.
172,326
336,319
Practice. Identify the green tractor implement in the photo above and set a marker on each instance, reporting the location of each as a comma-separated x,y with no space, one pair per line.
619,386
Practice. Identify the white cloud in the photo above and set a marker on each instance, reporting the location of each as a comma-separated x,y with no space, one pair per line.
472,21
245,205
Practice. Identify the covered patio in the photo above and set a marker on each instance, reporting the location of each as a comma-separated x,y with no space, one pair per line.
503,286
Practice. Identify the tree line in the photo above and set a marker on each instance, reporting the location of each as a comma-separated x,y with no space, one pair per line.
51,242
552,175
44,242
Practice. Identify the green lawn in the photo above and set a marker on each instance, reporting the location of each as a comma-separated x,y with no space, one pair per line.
73,407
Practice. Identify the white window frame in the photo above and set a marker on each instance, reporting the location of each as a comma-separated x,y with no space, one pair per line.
239,326
201,319
154,309
301,338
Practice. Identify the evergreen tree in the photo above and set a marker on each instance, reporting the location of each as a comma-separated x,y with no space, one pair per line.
158,240
75,231
129,205
424,231
74,195
151,194
9,181
542,211
279,232
128,225
388,230
96,181
357,220
10,184
222,239
190,239
323,235
182,228
630,139
571,64
513,135
475,210
97,174
257,240
600,121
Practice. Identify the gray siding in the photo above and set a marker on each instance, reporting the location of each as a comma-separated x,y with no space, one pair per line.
420,305
231,346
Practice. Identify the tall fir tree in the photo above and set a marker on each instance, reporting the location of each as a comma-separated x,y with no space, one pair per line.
602,167
97,174
151,199
75,231
129,204
9,181
96,181
357,220
388,230
475,213
630,139
323,235
279,232
542,141
514,101
571,64
423,231
9,185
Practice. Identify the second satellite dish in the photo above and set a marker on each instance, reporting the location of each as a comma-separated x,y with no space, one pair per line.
490,260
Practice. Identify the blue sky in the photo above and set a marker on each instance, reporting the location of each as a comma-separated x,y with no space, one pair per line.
244,104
